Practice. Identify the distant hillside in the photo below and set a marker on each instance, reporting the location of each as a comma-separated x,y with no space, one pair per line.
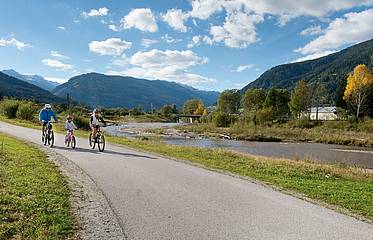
12,87
328,70
33,79
116,91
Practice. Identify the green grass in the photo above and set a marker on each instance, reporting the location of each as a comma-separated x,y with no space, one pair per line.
34,198
345,188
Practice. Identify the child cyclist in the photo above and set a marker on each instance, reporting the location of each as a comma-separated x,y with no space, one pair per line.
69,126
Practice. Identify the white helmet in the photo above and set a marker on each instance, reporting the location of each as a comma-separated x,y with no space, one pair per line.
96,110
47,106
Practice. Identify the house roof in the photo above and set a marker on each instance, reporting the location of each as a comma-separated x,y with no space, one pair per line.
324,109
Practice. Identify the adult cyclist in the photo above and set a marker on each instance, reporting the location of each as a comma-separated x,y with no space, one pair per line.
94,121
45,116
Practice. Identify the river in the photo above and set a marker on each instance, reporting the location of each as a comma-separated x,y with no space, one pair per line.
323,153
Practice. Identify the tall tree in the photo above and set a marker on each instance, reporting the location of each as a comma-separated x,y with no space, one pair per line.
278,100
253,99
191,105
359,86
318,96
341,87
300,99
229,101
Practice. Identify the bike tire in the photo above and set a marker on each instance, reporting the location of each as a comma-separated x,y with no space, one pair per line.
92,144
51,139
45,138
73,142
101,142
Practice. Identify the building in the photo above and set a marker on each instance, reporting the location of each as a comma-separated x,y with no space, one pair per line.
325,113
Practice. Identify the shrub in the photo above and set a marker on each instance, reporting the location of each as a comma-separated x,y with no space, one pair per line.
26,110
221,119
264,116
9,108
303,122
82,122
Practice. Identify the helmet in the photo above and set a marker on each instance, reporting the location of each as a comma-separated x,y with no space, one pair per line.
96,110
69,117
47,106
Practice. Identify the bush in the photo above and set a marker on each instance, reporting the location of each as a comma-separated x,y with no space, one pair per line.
9,108
82,122
26,111
264,116
303,122
221,119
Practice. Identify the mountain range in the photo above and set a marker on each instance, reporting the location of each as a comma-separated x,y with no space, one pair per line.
328,70
96,89
33,79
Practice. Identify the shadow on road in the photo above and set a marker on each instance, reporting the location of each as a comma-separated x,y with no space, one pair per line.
95,151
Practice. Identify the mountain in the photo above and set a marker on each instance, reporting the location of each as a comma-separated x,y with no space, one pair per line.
328,70
96,89
33,79
13,87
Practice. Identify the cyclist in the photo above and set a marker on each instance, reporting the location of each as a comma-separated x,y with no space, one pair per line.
96,118
69,126
45,116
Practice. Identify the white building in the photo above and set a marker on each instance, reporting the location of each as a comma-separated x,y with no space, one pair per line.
325,113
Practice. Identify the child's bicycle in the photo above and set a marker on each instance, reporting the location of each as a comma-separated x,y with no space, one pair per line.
70,140
99,140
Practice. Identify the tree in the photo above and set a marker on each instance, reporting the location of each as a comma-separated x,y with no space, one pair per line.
191,105
167,110
229,101
359,86
200,109
299,100
278,100
318,96
341,87
253,99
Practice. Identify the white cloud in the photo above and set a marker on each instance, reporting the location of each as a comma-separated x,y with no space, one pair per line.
195,41
169,65
146,43
96,13
13,42
203,9
352,28
57,64
56,54
176,18
111,46
238,30
242,68
55,79
314,56
140,18
311,31
62,28
168,39
114,27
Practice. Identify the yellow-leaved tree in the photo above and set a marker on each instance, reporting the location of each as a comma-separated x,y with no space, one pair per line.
200,109
359,86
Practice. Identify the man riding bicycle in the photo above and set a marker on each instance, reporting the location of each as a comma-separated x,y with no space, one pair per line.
95,119
45,116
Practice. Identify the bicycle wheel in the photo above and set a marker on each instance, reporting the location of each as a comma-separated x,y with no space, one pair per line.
51,139
101,142
73,142
46,138
92,142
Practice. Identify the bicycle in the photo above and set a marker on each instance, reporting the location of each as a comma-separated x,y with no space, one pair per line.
99,139
48,135
70,139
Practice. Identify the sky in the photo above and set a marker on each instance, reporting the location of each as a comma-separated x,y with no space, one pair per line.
208,44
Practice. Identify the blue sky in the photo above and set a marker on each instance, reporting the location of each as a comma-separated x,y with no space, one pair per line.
209,44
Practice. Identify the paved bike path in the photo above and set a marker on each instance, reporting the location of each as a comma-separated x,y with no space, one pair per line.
157,198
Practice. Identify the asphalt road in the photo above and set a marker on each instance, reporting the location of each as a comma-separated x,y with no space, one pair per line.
158,198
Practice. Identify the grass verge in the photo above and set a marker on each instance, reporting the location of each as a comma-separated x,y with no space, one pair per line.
345,188
34,198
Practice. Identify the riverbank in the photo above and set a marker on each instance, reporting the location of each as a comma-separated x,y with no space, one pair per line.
345,189
34,197
329,132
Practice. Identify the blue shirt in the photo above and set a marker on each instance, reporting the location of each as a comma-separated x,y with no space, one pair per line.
46,115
